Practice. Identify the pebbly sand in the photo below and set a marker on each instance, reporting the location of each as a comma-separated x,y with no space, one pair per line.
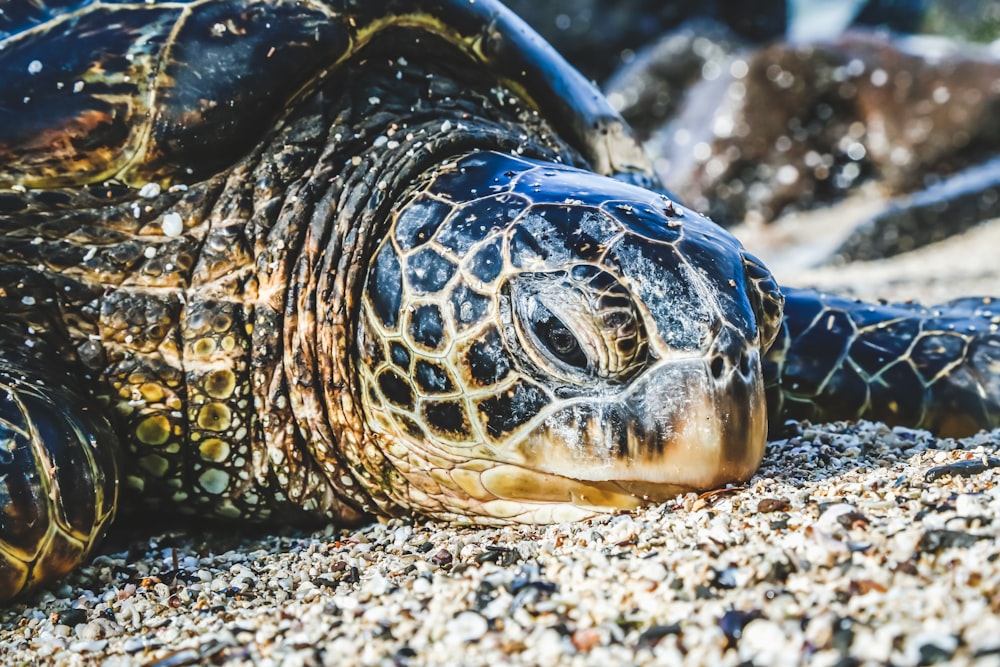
854,544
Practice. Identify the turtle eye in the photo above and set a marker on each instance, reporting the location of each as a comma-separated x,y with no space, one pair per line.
559,340
577,326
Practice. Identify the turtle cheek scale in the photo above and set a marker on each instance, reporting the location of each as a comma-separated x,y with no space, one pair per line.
660,393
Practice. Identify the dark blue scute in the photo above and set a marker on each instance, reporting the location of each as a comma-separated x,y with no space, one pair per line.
512,408
718,261
446,417
428,271
663,283
816,352
487,361
903,406
385,287
432,379
474,221
427,327
561,234
878,347
396,388
418,221
549,183
581,232
845,390
478,175
468,307
644,220
400,355
933,353
487,263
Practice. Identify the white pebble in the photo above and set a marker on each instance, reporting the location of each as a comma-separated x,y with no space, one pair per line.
763,642
88,646
173,224
150,191
467,626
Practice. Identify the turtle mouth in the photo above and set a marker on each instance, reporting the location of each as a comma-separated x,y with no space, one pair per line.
530,486
687,424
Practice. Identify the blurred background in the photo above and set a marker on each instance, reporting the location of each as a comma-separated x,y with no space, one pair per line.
599,36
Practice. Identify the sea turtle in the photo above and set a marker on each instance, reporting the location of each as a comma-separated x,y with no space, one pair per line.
318,259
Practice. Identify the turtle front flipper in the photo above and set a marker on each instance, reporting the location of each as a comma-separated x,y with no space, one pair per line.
58,469
936,368
147,91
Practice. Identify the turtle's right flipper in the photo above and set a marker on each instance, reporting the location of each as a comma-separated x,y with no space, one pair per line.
58,469
935,368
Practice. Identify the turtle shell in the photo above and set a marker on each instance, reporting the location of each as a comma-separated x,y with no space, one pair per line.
166,91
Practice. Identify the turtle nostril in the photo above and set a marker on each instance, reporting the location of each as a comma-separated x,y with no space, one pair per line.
744,363
717,367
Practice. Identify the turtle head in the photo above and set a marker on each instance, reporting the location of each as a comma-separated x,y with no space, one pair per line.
538,342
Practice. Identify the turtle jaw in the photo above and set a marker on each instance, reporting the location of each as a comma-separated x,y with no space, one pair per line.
684,426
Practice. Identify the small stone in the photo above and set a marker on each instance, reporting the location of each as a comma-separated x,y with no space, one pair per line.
99,628
767,505
966,468
733,622
150,191
172,224
442,557
87,646
764,642
652,636
586,639
935,541
467,626
932,649
136,644
71,617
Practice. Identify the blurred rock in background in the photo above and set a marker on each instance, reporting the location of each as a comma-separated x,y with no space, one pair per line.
758,109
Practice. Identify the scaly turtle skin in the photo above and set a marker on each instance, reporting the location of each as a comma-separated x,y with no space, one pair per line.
315,260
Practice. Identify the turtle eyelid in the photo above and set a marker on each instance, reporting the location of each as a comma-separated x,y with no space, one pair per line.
560,341
578,330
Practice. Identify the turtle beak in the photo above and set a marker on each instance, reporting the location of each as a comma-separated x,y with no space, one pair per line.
687,424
